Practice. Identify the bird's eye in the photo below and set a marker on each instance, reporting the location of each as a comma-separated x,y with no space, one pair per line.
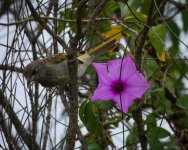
36,70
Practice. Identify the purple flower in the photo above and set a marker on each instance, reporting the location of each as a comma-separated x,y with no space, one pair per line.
119,81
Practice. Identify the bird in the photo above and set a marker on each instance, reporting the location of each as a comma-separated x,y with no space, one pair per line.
53,71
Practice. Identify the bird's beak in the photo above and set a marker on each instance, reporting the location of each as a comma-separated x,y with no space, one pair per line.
29,81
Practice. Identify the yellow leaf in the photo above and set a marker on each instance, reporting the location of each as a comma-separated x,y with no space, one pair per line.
162,57
114,33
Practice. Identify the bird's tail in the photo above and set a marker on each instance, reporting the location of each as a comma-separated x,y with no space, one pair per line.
103,48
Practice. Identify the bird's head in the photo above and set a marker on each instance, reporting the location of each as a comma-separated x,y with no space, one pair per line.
34,71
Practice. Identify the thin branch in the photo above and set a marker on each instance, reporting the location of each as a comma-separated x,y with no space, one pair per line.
34,119
80,137
178,4
55,4
73,80
48,118
96,12
27,138
46,27
6,132
11,68
24,20
137,114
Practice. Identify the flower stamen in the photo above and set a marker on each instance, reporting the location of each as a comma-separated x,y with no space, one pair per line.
118,87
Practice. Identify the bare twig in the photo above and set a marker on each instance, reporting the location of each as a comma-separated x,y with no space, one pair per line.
6,132
19,127
34,106
48,117
24,20
11,68
179,5
55,4
46,27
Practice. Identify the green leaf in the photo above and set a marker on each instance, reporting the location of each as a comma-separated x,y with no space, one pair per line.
104,105
167,103
151,121
183,122
88,118
185,20
158,133
157,35
92,143
154,134
175,42
173,144
132,139
155,145
104,26
183,102
82,111
94,146
144,6
151,65
123,8
133,4
162,133
142,17
111,7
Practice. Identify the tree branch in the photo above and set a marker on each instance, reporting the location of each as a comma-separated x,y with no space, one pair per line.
48,118
178,4
11,68
96,12
73,80
137,114
6,132
44,25
80,137
27,138
55,5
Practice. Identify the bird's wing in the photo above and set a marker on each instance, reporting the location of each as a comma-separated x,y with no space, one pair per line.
97,51
103,48
57,58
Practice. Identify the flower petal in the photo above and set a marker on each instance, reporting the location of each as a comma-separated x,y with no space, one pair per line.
128,68
126,100
136,85
103,92
114,69
102,72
